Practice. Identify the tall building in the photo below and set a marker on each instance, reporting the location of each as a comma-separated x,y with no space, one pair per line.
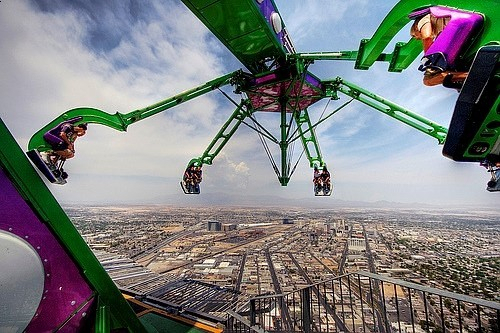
229,227
214,226
357,244
340,228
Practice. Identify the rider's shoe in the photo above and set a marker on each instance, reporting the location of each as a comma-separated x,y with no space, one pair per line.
45,157
448,79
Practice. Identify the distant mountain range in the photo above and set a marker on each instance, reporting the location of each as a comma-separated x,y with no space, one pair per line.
236,199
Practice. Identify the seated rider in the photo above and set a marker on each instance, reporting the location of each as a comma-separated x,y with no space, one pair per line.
197,178
192,178
325,178
188,178
62,138
316,179
444,33
494,169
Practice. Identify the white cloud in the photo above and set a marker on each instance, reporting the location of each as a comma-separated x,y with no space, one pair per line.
226,175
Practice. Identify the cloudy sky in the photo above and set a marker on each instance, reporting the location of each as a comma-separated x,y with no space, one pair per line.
119,56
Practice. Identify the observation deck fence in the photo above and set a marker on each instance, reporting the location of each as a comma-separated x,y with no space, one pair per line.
365,302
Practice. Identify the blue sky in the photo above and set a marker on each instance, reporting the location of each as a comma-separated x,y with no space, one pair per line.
119,56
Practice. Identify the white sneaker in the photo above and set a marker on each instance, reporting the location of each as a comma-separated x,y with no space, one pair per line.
45,157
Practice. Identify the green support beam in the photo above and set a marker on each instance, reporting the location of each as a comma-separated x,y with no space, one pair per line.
284,177
340,55
222,137
308,137
389,108
119,121
102,321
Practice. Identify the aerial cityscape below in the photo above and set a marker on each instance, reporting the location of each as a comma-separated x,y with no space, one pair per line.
247,252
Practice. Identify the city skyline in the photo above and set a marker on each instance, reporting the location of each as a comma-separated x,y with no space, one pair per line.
119,57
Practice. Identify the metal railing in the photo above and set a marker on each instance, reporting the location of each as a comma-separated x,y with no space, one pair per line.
366,302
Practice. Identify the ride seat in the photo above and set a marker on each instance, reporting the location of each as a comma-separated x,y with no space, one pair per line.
448,45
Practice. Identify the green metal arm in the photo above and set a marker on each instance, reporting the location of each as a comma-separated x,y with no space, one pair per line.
387,107
308,137
222,137
119,121
335,55
401,57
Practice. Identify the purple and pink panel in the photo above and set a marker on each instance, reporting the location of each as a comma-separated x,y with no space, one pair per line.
42,289
265,92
